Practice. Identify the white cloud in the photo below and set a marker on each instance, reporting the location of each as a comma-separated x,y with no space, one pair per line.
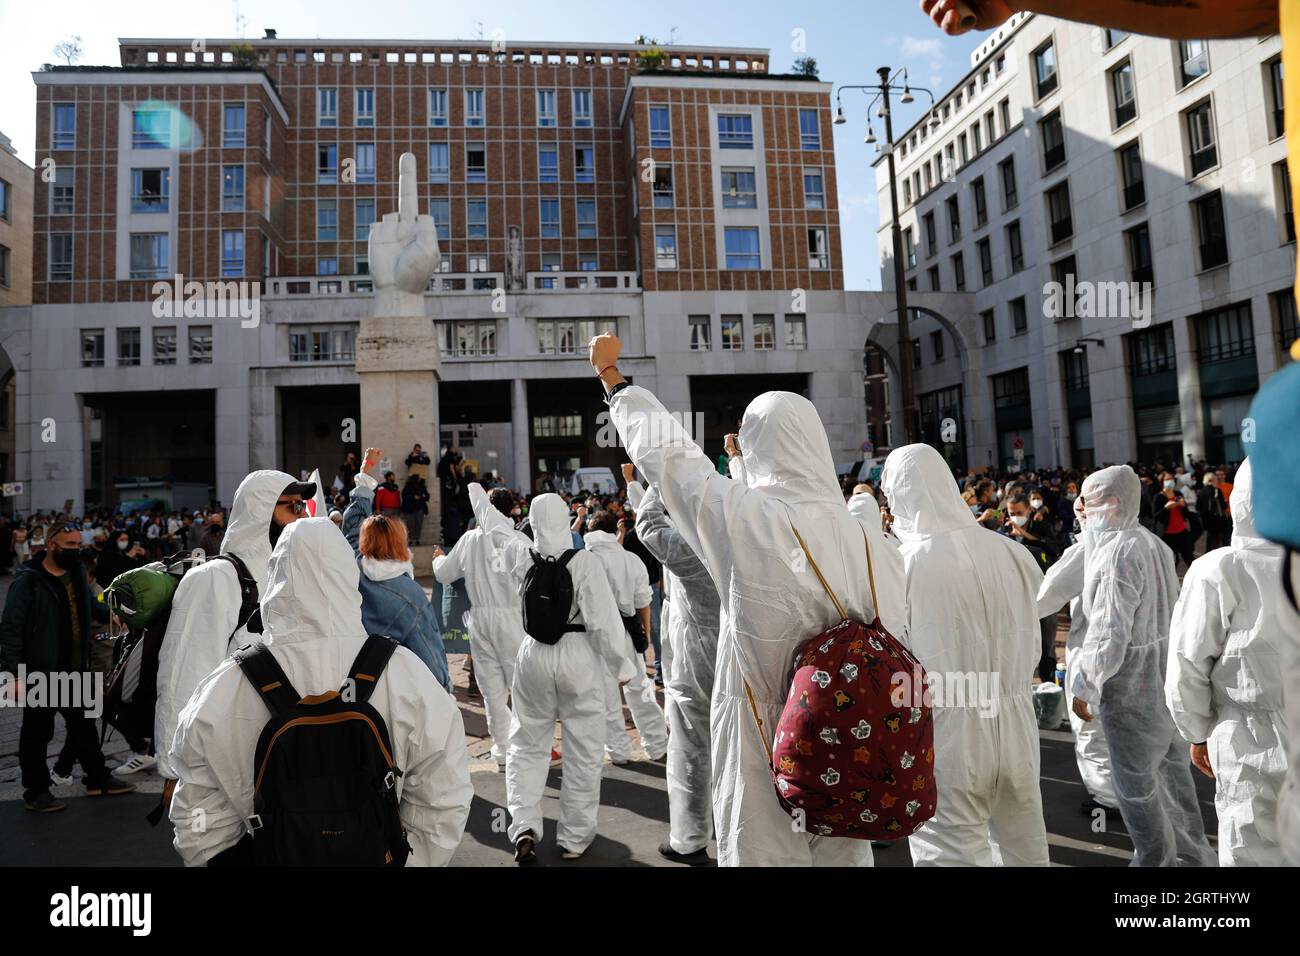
930,49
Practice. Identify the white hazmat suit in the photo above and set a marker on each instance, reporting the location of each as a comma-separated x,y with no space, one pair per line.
564,681
1224,682
973,624
630,582
1130,586
690,649
495,624
887,564
772,603
1062,584
312,611
205,608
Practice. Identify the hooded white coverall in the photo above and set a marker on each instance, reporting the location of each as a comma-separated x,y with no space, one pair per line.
205,608
495,622
772,602
1130,586
1063,583
690,650
1224,682
630,582
564,681
972,623
312,612
886,563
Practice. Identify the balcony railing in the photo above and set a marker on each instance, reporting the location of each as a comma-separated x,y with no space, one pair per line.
451,282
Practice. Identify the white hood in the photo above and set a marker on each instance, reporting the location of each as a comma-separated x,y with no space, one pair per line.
248,533
922,493
385,570
784,448
1243,512
549,518
312,591
597,540
1111,499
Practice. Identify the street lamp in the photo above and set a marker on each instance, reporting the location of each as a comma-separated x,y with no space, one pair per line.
880,92
1081,345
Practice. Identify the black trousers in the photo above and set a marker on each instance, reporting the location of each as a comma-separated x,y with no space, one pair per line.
34,743
1181,544
1047,661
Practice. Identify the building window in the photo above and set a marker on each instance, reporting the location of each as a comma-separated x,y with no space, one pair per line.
327,267
586,219
327,220
62,198
738,188
1223,334
1138,241
476,218
959,272
699,328
327,164
1201,139
467,339
662,188
1019,317
546,108
963,149
735,131
60,257
977,140
1194,57
92,348
549,215
1075,365
796,333
1059,214
1015,249
1277,97
985,251
63,131
1004,113
150,190
474,111
582,108
1045,78
819,254
1010,195
323,344
733,336
475,163
128,346
909,247
149,255
907,192
1151,351
327,107
1053,137
814,191
1131,174
233,127
661,134
1284,205
1113,37
742,247
479,263
810,135
200,345
6,201
364,107
1064,274
440,210
150,129
1211,230
1121,91
936,345
232,189
4,267
164,345
232,253
916,353
665,247
548,164
439,163
1288,322
954,220
981,202
365,162
931,234
584,164
363,216
990,327
437,107
932,274
764,333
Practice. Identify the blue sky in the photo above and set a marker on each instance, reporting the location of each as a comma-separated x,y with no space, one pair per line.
850,40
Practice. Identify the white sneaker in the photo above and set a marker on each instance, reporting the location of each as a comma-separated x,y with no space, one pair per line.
136,763
59,779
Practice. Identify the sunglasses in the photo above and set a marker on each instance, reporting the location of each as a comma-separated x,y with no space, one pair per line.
297,506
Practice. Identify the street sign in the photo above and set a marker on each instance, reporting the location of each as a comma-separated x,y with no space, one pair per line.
1018,454
1018,444
12,488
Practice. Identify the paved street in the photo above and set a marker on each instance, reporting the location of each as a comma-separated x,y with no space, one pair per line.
633,814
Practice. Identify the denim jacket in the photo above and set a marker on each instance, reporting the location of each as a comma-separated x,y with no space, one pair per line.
397,607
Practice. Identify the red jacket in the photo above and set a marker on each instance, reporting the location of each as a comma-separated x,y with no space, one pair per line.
387,499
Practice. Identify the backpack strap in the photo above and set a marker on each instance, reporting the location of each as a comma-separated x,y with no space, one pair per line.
370,663
250,611
563,562
265,673
818,571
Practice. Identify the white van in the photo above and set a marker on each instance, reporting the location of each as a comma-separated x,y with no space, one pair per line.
598,481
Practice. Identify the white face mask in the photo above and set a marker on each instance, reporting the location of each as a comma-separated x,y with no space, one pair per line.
1020,520
1035,502
1169,482
123,545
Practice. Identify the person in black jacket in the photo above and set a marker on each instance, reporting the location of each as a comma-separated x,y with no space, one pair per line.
46,628
1037,536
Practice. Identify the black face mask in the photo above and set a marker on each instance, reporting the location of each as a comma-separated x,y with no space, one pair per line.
275,532
67,558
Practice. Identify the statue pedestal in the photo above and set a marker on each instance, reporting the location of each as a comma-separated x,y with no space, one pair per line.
397,363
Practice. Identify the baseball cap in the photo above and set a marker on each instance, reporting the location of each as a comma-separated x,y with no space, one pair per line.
306,489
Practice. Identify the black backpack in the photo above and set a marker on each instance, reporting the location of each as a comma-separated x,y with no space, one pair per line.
325,785
548,598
